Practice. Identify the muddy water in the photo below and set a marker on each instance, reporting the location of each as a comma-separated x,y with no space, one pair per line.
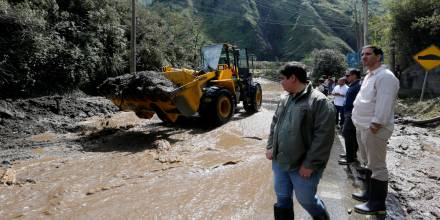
219,174
123,167
119,172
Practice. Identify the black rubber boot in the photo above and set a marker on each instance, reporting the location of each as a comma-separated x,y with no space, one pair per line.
376,203
344,161
324,216
283,213
364,194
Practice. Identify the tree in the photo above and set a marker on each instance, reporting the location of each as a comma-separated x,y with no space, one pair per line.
54,46
415,26
328,62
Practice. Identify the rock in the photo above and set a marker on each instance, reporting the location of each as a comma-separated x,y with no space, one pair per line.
8,177
162,145
169,158
5,113
6,163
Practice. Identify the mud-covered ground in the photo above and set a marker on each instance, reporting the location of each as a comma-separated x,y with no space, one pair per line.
84,159
21,119
414,159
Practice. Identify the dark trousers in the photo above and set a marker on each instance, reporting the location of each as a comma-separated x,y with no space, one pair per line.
340,115
349,134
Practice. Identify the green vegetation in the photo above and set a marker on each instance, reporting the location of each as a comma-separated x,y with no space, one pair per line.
53,46
50,46
415,26
410,25
328,62
267,69
276,29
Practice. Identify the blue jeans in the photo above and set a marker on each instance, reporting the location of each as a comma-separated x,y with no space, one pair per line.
305,190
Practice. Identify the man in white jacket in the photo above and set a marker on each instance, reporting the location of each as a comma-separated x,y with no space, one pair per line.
339,93
373,116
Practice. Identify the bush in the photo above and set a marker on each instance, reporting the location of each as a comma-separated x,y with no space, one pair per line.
53,46
415,26
328,62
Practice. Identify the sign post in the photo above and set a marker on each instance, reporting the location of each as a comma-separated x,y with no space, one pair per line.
429,59
424,85
353,59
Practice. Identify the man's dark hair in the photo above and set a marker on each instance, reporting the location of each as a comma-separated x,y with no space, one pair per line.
356,72
296,69
376,49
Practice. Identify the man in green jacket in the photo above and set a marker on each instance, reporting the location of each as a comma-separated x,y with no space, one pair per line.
299,144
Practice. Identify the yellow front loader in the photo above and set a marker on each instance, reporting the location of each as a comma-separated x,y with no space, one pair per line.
213,92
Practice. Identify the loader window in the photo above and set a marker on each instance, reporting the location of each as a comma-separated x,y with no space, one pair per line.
242,63
243,60
243,68
211,56
223,59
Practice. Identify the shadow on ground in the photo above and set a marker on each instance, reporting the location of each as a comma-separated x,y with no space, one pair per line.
109,140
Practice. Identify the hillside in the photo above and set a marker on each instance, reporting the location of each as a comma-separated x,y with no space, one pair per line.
274,30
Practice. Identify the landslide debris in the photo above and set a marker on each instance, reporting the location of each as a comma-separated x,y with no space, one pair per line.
425,113
22,118
146,84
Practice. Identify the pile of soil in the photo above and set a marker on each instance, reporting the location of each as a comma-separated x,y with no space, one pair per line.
25,117
422,114
147,84
419,110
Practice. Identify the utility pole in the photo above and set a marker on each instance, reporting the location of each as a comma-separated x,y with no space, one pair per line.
365,7
133,38
358,31
393,56
356,25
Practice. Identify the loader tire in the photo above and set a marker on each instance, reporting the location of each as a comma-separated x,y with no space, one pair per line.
253,103
217,106
163,117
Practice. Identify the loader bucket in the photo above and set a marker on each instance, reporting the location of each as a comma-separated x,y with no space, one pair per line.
186,98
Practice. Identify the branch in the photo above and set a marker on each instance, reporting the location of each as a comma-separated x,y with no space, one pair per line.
422,122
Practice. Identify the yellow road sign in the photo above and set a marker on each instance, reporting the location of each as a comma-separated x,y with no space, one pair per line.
428,58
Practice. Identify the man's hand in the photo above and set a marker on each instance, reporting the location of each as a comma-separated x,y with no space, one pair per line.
305,172
374,127
269,154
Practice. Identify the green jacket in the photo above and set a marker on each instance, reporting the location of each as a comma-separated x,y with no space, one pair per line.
302,130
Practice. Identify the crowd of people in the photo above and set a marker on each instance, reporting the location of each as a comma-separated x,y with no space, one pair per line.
303,130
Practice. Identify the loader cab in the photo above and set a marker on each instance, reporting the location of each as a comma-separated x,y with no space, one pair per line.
220,57
243,64
229,59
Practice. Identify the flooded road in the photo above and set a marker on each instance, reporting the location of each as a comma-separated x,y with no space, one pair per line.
123,167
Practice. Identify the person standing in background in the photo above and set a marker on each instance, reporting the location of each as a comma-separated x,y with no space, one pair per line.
349,131
339,93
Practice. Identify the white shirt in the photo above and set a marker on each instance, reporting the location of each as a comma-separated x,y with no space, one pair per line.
376,99
340,100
